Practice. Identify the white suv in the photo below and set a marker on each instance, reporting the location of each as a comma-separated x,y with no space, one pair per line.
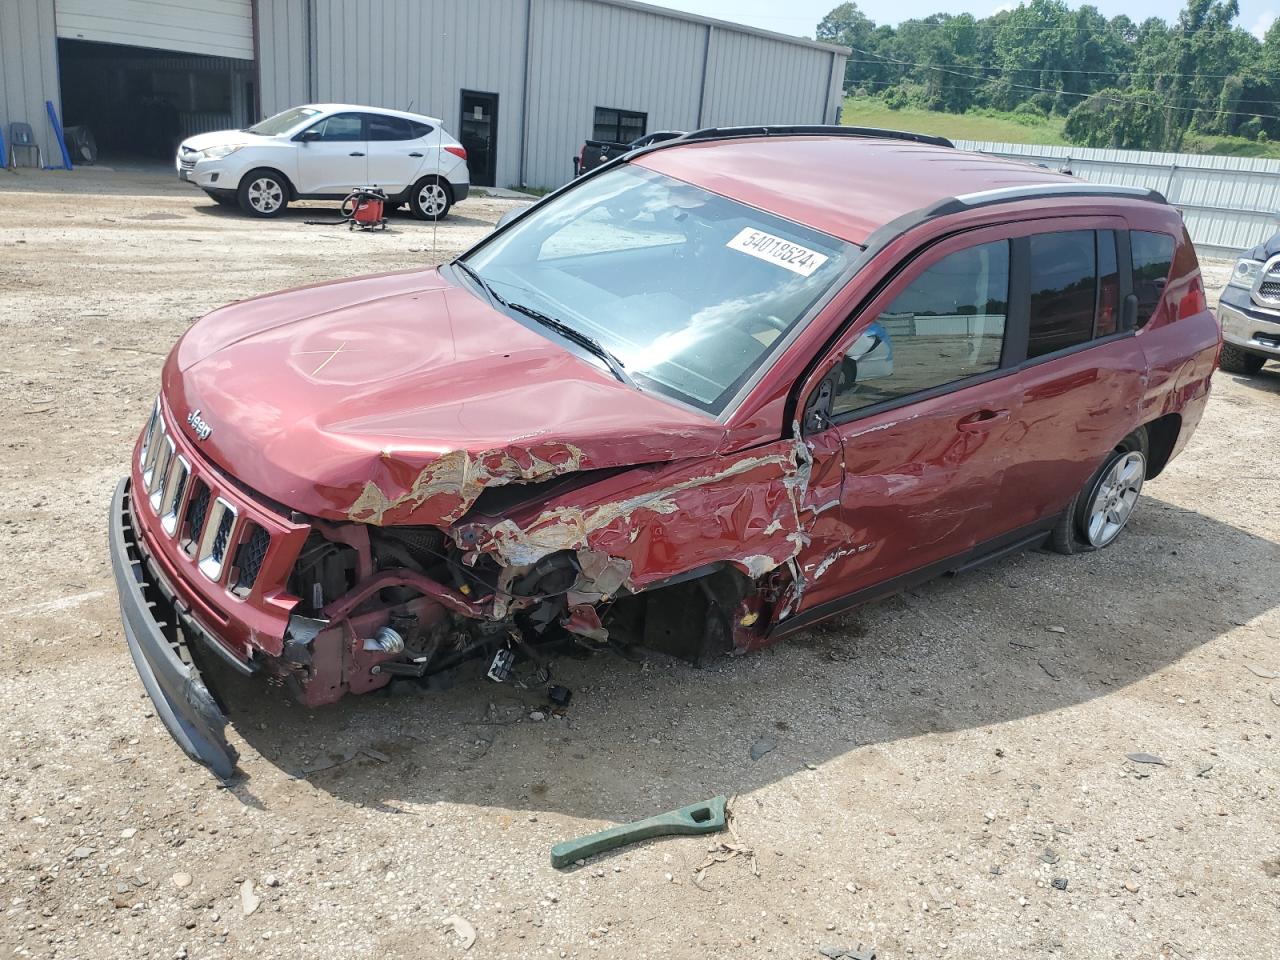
321,152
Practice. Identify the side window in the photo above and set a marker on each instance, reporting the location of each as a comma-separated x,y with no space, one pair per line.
419,130
1152,261
1108,314
947,325
339,127
387,128
1064,276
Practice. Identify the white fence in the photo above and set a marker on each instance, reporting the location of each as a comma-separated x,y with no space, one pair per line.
1229,203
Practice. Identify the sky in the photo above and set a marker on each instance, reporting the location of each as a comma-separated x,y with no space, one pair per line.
801,16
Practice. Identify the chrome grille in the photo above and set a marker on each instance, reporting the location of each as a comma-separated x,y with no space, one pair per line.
249,556
197,510
186,499
217,535
1266,290
175,487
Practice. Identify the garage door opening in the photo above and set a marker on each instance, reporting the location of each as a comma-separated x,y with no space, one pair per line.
139,103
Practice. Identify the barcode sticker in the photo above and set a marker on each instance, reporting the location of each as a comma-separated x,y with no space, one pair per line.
775,250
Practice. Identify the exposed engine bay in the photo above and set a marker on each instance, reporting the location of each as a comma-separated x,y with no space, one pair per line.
379,605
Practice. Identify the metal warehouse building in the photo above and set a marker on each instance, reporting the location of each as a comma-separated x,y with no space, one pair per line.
520,82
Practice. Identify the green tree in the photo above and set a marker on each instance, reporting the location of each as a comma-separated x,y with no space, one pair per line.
1123,119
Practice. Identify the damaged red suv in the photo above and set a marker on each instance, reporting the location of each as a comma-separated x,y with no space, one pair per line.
706,395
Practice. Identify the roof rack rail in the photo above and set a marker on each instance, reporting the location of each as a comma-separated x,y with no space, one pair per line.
811,130
1036,191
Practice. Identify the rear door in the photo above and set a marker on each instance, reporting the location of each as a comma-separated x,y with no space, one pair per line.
921,411
332,155
1083,374
396,151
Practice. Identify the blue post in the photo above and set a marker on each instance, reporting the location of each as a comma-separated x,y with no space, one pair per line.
57,132
4,153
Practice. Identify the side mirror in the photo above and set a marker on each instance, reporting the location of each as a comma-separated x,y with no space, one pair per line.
308,135
509,216
817,412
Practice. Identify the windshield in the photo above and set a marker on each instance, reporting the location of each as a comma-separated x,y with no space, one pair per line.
283,122
688,289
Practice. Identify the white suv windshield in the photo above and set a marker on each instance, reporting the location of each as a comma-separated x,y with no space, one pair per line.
282,122
688,289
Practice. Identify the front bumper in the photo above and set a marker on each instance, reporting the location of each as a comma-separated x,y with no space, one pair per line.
159,649
1247,327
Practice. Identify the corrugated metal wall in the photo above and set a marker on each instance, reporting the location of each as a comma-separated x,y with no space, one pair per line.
284,42
583,54
1229,203
28,71
753,79
393,53
586,55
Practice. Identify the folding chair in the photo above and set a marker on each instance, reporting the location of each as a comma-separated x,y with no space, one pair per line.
22,137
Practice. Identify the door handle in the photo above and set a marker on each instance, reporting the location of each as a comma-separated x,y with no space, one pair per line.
415,154
355,153
982,420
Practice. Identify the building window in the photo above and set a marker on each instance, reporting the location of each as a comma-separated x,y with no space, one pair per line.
618,126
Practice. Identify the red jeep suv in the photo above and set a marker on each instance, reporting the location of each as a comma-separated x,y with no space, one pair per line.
706,395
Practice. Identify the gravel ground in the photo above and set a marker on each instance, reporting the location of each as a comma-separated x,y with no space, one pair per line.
948,774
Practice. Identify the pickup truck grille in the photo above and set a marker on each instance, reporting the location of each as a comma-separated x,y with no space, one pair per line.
199,510
1267,291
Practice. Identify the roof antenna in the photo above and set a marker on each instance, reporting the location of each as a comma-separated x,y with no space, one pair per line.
409,108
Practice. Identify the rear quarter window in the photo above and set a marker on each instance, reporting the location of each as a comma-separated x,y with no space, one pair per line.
1152,261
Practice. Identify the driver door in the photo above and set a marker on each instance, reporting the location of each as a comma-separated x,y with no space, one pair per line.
333,156
919,405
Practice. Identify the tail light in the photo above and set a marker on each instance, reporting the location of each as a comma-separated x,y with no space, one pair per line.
458,151
1193,301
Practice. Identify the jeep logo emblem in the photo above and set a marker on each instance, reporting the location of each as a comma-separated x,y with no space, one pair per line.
201,428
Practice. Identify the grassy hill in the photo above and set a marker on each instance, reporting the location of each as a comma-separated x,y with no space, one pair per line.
1006,128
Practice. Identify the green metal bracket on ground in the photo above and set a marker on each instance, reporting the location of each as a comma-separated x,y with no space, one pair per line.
705,817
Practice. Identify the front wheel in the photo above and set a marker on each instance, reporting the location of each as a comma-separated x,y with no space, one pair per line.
430,199
1234,360
263,193
1102,509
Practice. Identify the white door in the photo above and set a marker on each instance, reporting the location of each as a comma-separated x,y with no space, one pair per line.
219,28
397,148
333,155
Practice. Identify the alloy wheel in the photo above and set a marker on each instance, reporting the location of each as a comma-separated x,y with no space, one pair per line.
265,195
1114,498
432,199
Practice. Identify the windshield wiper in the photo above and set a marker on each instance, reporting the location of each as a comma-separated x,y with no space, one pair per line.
559,326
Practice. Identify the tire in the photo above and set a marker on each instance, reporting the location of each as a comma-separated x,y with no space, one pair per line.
1099,513
1234,360
263,193
430,199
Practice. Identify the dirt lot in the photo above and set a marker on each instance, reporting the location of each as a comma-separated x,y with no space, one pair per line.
939,759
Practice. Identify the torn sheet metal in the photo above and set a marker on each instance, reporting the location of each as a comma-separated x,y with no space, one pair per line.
445,488
745,510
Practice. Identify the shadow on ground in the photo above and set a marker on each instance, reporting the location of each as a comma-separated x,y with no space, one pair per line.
964,652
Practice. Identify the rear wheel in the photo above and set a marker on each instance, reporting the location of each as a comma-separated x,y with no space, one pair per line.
263,193
1102,509
430,199
1235,360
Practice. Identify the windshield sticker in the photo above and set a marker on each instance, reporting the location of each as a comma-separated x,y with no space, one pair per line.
775,250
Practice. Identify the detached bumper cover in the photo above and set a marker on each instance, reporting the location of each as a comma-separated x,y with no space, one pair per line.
159,651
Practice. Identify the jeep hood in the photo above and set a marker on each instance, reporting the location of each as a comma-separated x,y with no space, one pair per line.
398,398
